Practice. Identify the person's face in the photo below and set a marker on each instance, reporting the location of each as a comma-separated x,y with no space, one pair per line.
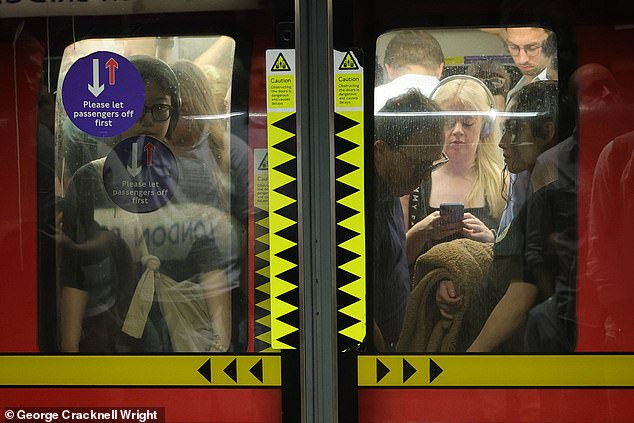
525,46
404,167
148,124
462,134
520,147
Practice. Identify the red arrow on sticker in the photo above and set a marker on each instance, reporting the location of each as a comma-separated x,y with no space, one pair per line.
149,153
111,65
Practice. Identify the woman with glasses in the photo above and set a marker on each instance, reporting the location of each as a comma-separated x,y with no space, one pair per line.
470,175
97,258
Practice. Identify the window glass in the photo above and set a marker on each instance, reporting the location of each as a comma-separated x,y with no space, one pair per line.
474,193
151,222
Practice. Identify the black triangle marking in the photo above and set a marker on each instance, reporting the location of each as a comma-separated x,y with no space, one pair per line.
291,275
343,190
344,234
291,318
259,247
343,168
290,254
345,342
288,168
289,233
348,63
381,370
344,321
280,64
256,371
344,212
289,124
260,345
288,146
344,299
260,263
290,297
289,190
232,370
342,146
261,279
292,339
289,212
434,370
408,370
205,370
259,296
344,256
343,123
344,278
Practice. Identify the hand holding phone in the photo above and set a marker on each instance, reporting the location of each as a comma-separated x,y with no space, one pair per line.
452,212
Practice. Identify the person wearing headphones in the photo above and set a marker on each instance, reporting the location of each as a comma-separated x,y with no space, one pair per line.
471,175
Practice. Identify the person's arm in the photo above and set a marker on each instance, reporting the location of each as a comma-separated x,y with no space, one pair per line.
506,317
428,229
218,298
73,307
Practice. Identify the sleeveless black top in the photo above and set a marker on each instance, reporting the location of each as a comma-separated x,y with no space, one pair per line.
419,208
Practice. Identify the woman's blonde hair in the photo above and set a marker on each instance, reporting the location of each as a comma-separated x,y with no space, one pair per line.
472,95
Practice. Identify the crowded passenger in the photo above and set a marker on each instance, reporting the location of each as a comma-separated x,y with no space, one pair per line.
471,176
494,75
406,149
413,59
532,254
462,303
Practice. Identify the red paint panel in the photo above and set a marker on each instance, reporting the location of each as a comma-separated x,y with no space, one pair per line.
18,209
495,405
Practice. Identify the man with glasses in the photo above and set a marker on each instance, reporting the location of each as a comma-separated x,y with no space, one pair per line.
525,47
408,144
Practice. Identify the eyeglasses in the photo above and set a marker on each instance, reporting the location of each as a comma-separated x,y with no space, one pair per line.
160,112
531,50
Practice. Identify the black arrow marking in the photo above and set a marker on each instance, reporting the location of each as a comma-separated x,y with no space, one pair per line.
434,370
381,370
232,370
408,370
205,370
256,371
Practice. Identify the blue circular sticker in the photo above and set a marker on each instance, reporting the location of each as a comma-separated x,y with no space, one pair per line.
140,174
103,94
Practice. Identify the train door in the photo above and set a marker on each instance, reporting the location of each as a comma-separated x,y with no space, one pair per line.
534,332
136,242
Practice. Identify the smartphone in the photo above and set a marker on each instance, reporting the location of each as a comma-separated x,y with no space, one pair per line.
452,212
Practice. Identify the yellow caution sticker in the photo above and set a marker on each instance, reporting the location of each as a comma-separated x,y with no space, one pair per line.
349,200
283,207
141,370
496,370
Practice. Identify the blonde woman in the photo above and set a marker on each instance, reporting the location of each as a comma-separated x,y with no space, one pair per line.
471,175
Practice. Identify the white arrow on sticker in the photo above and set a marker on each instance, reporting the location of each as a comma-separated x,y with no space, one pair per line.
133,168
95,88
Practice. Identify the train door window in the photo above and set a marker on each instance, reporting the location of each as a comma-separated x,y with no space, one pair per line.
151,216
474,193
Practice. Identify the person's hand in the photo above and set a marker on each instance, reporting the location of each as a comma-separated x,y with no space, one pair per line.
435,228
476,230
447,300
